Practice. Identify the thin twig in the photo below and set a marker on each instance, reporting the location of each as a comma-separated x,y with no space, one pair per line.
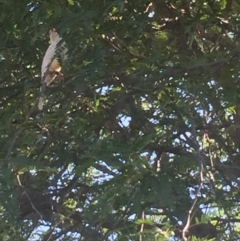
148,7
142,227
49,234
201,179
28,197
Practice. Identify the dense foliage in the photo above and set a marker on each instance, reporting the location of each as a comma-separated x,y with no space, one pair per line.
140,141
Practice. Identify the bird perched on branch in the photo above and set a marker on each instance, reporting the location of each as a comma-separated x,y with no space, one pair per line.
52,62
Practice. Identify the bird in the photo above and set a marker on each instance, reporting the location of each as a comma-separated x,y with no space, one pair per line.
52,62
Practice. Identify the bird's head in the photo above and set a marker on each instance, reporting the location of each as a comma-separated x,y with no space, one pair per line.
53,35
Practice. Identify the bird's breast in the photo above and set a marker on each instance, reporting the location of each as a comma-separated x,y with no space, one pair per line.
55,66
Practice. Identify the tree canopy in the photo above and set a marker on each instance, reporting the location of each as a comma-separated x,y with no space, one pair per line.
140,140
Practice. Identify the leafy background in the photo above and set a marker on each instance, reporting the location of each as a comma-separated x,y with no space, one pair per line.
140,141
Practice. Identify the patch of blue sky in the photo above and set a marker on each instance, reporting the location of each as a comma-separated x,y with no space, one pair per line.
104,90
158,112
124,120
38,232
154,121
230,35
2,58
211,83
101,176
206,208
31,6
151,14
66,175
144,154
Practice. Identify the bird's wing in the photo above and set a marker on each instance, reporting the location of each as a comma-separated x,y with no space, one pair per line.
62,50
48,58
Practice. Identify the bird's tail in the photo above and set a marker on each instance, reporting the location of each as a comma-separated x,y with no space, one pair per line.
41,97
40,103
